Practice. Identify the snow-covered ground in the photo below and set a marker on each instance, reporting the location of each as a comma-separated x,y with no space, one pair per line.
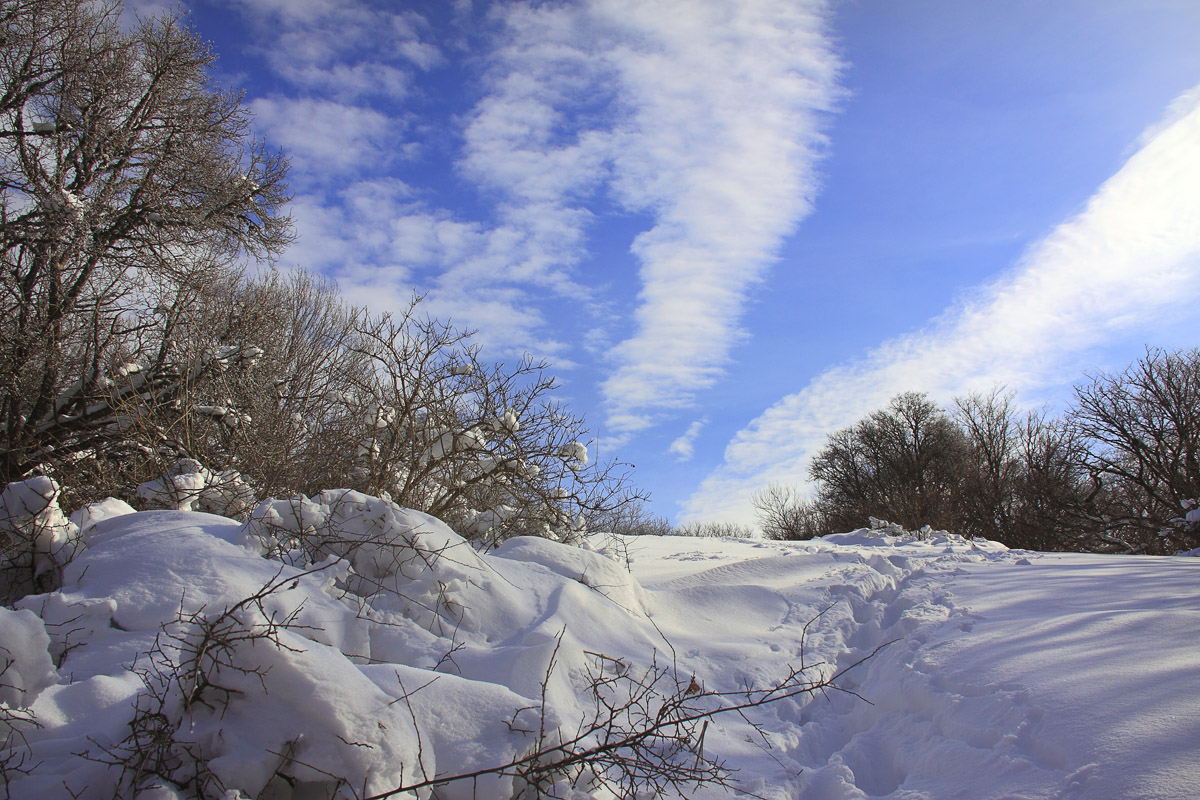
1012,674
1001,673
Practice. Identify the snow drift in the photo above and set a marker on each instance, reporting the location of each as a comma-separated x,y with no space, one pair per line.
340,645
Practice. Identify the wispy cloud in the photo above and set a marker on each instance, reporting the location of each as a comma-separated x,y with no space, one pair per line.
703,116
351,70
728,101
684,447
1132,256
706,116
341,48
327,139
383,245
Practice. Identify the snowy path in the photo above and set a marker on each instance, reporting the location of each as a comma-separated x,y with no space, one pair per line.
1012,674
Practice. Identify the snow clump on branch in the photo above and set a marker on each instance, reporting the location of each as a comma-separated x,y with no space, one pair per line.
189,486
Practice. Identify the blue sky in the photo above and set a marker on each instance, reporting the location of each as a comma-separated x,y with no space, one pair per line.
737,226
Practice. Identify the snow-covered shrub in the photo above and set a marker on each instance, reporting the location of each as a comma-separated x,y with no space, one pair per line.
406,561
1186,528
189,486
36,537
25,670
286,529
882,533
25,664
482,447
216,711
277,383
881,527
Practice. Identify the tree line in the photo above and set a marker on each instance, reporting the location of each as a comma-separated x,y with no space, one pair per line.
1118,472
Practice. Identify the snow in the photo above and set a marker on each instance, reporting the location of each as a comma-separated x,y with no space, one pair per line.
575,451
401,653
24,658
508,422
189,486
35,536
30,509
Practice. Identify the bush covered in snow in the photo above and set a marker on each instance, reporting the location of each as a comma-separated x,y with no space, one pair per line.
36,537
403,407
341,647
188,486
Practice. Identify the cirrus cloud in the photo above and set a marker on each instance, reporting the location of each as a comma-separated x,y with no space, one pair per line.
706,117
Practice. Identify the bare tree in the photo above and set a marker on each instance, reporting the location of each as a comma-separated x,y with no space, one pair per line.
714,529
988,484
900,463
784,513
1055,500
631,519
1024,482
268,399
1144,428
482,446
1118,473
126,179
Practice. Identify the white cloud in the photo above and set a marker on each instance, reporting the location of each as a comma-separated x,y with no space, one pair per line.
350,82
133,10
705,115
325,138
684,447
1129,259
382,246
728,103
343,48
355,227
372,234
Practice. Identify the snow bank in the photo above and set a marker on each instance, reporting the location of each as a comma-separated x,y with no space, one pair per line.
999,674
340,641
386,650
29,511
86,518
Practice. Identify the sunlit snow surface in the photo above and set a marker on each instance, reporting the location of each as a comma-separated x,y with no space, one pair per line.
1008,674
